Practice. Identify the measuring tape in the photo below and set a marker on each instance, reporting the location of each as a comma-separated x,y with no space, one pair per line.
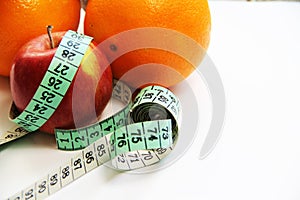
128,147
139,135
52,88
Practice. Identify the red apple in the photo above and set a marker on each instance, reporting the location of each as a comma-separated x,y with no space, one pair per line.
93,83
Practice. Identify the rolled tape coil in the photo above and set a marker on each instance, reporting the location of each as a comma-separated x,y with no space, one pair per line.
146,125
139,135
130,145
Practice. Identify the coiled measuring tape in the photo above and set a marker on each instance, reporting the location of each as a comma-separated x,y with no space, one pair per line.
139,135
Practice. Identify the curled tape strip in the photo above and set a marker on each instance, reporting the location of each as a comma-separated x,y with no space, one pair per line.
55,82
139,135
133,142
149,122
52,88
152,103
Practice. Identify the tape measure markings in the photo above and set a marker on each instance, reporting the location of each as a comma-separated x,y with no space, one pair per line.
75,139
65,64
69,48
124,138
12,134
79,37
73,142
35,114
42,109
52,88
110,147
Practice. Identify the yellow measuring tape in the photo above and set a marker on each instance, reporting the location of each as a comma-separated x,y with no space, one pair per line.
139,135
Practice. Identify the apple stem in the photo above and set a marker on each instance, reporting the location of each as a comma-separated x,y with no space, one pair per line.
49,29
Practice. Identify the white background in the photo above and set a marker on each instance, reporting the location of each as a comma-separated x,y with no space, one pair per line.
255,46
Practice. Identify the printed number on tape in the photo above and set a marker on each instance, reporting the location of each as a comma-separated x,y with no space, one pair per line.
139,135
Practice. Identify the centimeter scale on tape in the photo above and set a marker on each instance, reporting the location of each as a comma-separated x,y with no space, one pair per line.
131,146
53,87
141,134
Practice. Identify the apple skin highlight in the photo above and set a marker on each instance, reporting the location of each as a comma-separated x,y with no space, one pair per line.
93,83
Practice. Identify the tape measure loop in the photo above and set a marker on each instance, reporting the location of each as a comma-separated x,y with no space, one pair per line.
139,135
146,127
32,118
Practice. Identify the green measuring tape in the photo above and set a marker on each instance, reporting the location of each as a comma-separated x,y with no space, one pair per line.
48,96
152,103
62,70
139,135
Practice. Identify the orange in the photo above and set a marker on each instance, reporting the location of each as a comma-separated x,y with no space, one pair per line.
169,24
22,20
